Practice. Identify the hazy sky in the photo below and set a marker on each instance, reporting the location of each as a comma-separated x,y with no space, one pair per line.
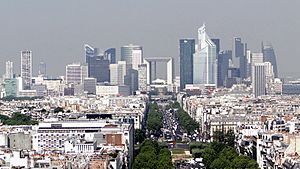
55,30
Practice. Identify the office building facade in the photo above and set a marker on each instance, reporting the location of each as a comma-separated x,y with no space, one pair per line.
186,50
142,77
133,55
9,70
258,79
26,68
117,73
98,65
223,65
110,54
89,85
76,73
204,60
269,56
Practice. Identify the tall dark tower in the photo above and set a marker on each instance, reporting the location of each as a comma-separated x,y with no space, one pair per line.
187,49
239,57
98,66
110,54
269,56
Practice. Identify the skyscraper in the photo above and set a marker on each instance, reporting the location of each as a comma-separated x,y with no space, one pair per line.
110,54
26,68
257,58
223,65
133,55
9,70
204,60
186,49
269,56
239,59
76,73
259,79
98,66
42,69
217,43
89,85
117,73
142,77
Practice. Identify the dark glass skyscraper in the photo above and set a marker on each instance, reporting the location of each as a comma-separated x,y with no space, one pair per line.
98,66
217,43
269,56
223,65
239,57
110,54
187,49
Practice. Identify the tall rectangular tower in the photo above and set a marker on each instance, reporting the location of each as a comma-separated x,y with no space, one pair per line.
186,50
9,70
26,69
259,79
204,60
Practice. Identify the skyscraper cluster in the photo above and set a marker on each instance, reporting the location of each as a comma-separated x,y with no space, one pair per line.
205,63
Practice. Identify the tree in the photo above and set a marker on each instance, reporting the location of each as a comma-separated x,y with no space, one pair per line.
209,155
139,136
219,136
20,119
153,156
219,163
196,152
229,138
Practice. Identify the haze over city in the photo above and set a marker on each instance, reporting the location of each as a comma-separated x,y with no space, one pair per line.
57,30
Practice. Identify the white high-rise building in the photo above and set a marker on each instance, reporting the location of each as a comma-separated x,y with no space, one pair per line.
26,68
133,55
117,73
9,70
259,79
205,64
257,58
76,73
142,77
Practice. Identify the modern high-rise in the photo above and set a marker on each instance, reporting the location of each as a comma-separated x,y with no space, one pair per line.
257,58
42,69
76,73
269,56
26,68
10,86
133,55
223,65
204,60
110,54
258,79
117,73
186,50
239,59
9,70
98,65
142,77
89,85
217,43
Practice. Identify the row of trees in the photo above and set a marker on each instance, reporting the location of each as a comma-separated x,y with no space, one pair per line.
186,122
154,119
152,155
218,155
17,119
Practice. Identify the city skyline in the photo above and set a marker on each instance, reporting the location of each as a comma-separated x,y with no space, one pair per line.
65,36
